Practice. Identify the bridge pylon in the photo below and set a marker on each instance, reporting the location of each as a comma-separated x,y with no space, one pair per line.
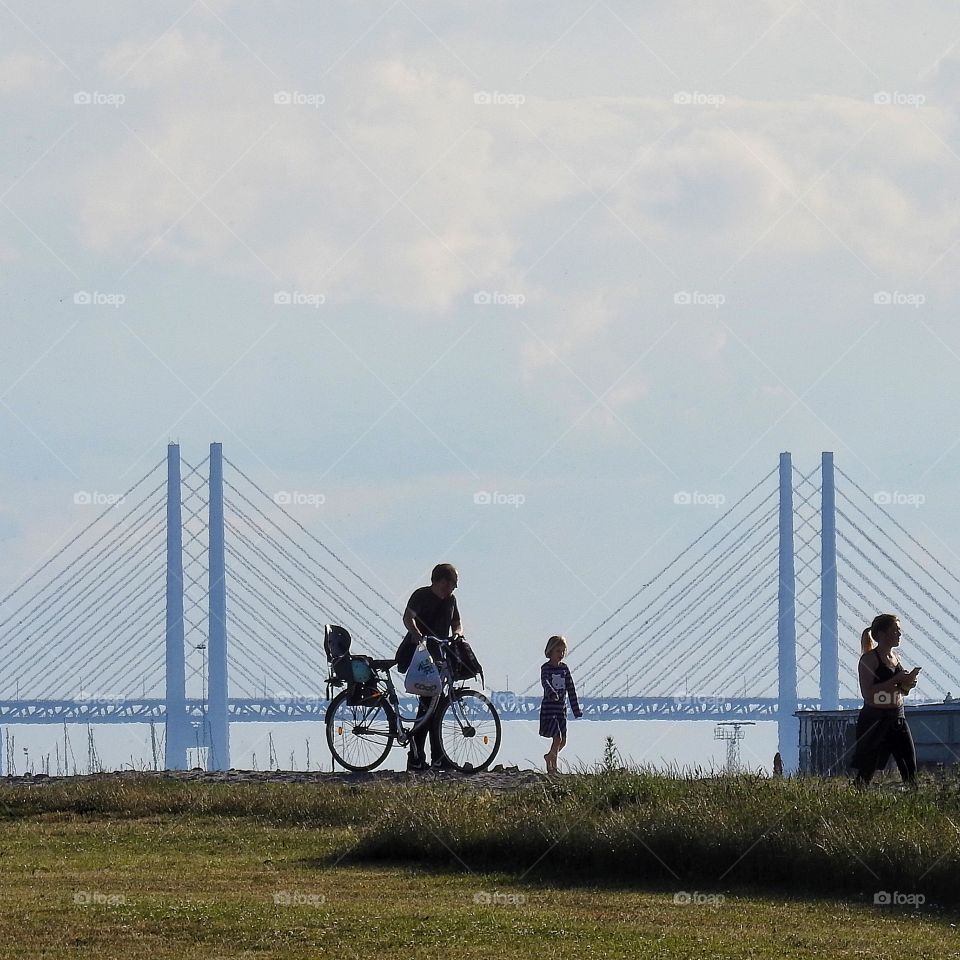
178,736
788,732
218,754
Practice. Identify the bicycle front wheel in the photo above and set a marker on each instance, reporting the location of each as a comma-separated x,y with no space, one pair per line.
359,737
469,729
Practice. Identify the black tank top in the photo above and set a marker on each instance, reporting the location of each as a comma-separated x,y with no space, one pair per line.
883,672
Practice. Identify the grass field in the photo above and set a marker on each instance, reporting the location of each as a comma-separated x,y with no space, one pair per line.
158,869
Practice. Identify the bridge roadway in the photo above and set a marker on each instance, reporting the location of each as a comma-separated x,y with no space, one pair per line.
292,707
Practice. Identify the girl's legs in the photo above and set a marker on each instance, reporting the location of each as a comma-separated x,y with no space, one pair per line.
551,755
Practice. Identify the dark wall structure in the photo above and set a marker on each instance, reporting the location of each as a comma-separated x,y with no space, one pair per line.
827,738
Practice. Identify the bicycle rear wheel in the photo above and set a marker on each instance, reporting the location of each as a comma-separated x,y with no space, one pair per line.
469,729
358,737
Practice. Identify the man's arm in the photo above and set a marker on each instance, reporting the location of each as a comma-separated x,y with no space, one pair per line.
410,622
456,627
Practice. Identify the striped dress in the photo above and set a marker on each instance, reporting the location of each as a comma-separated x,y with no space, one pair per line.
557,683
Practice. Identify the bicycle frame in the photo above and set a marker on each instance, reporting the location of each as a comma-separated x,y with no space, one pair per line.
401,728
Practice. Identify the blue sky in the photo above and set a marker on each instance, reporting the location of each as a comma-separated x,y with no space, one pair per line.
697,238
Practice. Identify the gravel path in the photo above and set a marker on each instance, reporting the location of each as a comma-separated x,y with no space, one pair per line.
499,778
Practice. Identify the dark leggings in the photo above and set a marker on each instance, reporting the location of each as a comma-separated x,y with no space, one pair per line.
880,734
420,737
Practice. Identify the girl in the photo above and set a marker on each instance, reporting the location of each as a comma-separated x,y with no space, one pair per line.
557,683
882,728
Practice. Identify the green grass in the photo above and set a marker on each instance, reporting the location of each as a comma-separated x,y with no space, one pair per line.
193,870
793,835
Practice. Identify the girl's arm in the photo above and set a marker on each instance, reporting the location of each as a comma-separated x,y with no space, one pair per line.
572,693
548,692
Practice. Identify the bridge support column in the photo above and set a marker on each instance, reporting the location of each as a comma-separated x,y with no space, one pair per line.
178,724
218,756
788,724
829,634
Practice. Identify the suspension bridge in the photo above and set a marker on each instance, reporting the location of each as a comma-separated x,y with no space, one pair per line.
196,600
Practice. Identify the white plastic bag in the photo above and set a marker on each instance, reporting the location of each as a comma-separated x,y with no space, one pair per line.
422,676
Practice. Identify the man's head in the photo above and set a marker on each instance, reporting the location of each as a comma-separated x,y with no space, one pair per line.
443,579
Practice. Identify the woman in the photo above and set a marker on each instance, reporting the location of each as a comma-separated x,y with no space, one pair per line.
882,727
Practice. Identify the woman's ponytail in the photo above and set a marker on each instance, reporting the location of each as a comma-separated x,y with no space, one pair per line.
866,641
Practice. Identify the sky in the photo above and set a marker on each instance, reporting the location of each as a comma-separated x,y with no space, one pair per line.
573,259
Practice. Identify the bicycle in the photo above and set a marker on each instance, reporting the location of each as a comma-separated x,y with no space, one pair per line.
365,721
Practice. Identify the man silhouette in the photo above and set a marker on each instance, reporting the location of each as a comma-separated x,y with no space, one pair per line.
430,612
